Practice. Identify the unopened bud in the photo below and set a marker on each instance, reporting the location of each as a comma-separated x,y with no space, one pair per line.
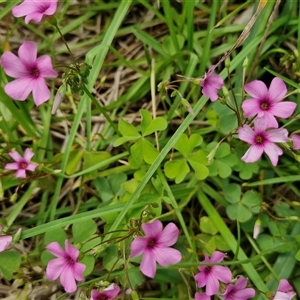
227,63
17,235
187,106
295,203
293,218
256,230
14,197
245,63
225,91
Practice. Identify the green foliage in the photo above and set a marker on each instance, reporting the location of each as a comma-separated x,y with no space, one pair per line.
223,160
178,168
241,207
10,262
142,150
83,230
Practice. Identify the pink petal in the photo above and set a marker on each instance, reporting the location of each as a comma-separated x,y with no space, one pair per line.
212,285
21,173
269,120
251,107
138,246
201,296
31,167
244,294
112,291
12,65
54,268
28,53
169,235
28,154
246,134
11,166
40,92
67,280
273,151
36,16
78,269
4,242
95,295
277,90
282,296
210,92
217,256
153,229
72,251
283,109
284,286
23,9
222,273
19,89
15,156
277,135
253,154
148,264
241,283
166,256
296,141
56,249
201,278
44,65
256,89
214,80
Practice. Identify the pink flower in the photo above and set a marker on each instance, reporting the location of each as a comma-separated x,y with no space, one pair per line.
296,141
155,247
34,9
210,276
201,296
65,266
109,293
211,83
5,240
238,291
284,291
29,72
21,164
266,103
262,141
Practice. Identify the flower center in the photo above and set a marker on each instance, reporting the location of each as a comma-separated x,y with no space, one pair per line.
102,297
43,7
264,105
35,72
151,242
207,269
259,139
23,165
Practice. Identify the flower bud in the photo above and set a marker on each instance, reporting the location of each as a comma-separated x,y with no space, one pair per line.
256,230
245,63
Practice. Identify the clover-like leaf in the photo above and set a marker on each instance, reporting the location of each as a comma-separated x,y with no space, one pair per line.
198,160
149,126
232,192
177,169
252,200
238,211
185,145
207,226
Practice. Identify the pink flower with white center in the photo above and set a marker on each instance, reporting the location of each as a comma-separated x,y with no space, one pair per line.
296,141
265,103
29,72
211,83
155,247
238,291
65,266
5,240
110,293
201,296
34,9
21,164
262,141
284,291
210,276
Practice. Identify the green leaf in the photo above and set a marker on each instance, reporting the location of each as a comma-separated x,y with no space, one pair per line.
207,226
55,235
124,139
198,160
9,263
89,261
83,230
92,158
223,169
127,129
74,161
168,45
149,151
252,200
91,244
186,145
238,212
232,192
111,260
149,126
177,169
134,275
136,158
